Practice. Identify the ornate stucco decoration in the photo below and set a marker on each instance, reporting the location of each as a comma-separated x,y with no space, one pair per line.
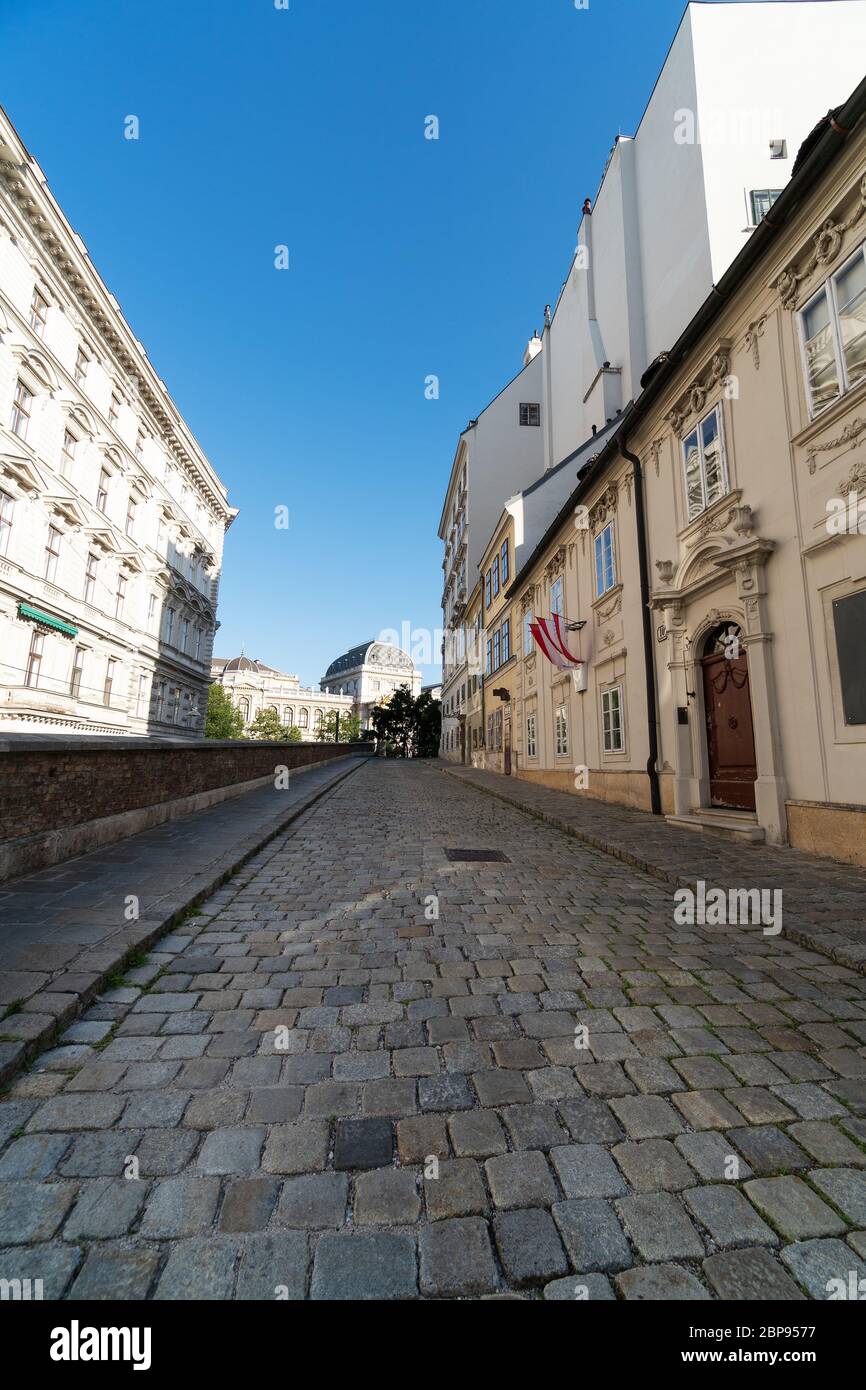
666,569
712,525
555,565
849,435
627,480
826,245
856,479
654,452
692,401
605,507
750,341
603,615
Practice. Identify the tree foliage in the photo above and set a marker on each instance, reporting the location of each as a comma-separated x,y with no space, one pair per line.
268,726
409,727
223,719
349,729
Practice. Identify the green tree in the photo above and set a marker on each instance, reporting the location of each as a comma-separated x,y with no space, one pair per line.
350,727
407,725
223,719
267,726
293,734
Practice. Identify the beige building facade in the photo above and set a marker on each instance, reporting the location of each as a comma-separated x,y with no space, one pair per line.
714,551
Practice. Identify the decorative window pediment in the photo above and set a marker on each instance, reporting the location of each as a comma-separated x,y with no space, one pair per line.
827,243
693,401
22,473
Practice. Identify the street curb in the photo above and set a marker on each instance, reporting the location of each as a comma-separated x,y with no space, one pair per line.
834,948
14,1056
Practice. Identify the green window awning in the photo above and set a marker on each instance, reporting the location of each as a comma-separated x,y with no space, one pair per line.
36,615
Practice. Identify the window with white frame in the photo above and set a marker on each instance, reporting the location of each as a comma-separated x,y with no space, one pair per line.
497,731
77,672
110,671
67,452
605,562
141,699
503,553
833,334
611,719
7,505
169,625
91,570
52,553
102,489
531,746
120,596
556,599
561,731
131,506
706,474
22,408
528,639
151,612
506,641
304,719
761,200
82,362
34,658
38,313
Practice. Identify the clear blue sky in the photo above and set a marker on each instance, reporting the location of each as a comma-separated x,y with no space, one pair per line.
408,257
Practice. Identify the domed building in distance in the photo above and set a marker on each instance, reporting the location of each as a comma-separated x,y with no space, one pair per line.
369,674
253,686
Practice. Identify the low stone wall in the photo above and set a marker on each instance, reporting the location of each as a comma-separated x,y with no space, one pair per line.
839,832
60,797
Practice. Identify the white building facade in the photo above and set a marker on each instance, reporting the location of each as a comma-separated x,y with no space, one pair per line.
254,687
112,520
369,674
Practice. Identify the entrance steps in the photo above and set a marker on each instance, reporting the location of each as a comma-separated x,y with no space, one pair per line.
722,821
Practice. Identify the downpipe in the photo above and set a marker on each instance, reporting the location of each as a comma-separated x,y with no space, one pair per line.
648,649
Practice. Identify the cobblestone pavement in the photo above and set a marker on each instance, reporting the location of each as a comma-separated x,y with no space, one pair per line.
319,1088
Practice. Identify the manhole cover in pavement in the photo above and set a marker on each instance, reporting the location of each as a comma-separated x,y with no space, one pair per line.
477,856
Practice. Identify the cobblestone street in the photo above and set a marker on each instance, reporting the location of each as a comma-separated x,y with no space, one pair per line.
362,1070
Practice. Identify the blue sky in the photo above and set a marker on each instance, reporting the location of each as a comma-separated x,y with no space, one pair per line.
304,127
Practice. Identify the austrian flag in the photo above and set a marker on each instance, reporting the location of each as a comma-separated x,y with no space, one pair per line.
549,633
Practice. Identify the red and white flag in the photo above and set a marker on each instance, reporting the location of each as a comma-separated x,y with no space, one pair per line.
549,633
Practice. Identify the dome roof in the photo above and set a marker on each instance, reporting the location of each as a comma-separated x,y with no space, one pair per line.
244,663
371,654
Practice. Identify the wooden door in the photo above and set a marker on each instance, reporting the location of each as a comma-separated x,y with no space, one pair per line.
730,734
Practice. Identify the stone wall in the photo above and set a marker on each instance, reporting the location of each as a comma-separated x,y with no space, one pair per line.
61,797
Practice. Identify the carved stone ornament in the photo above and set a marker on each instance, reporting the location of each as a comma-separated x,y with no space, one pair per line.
826,245
604,614
605,507
849,435
712,525
666,569
856,479
694,399
750,341
555,565
654,451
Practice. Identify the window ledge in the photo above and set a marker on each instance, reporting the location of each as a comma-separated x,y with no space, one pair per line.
608,594
693,528
853,398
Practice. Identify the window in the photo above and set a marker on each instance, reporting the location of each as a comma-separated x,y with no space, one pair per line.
77,672
289,716
496,576
487,587
489,656
38,313
90,573
530,414
561,729
762,199
184,635
130,516
198,637
531,747
528,639
169,625
109,680
102,489
556,603
490,732
21,408
141,699
139,442
611,719
504,562
120,596
497,650
67,453
34,659
113,408
497,731
82,362
704,462
849,621
605,567
506,640
174,704
304,719
151,613
52,553
833,332
159,703
6,505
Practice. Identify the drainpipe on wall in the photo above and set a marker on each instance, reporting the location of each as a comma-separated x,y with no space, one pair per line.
648,650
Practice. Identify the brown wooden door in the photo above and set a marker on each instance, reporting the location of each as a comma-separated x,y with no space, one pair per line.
730,735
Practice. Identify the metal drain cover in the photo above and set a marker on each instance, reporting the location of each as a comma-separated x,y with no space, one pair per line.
477,856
